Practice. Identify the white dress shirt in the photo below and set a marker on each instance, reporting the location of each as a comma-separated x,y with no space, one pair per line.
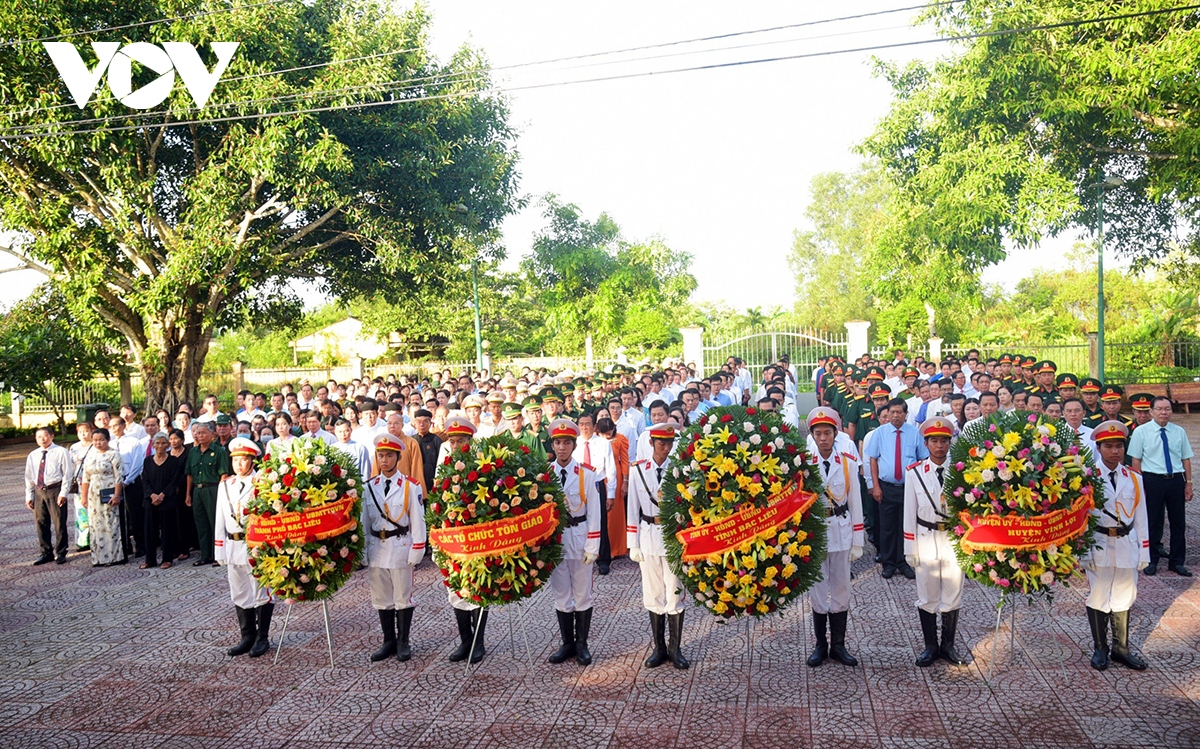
58,469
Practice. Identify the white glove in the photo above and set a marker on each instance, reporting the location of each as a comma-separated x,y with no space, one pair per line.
588,558
222,562
1089,565
415,556
911,559
635,555
855,553
1142,566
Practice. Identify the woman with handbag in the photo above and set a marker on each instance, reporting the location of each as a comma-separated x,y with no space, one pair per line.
100,492
161,479
79,454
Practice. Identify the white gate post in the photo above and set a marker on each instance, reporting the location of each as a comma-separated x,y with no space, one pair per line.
693,347
589,356
856,341
935,350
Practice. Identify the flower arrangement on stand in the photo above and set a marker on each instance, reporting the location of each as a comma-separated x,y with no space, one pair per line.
493,519
742,517
1022,487
302,529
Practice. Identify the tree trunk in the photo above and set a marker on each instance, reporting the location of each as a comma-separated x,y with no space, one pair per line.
172,364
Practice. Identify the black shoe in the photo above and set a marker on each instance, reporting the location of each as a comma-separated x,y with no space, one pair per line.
1180,570
403,626
837,640
248,628
566,626
1120,647
199,562
658,632
929,634
43,559
262,642
480,626
675,624
387,622
888,572
909,572
949,630
878,559
603,568
462,618
1151,569
821,651
583,624
60,559
1098,623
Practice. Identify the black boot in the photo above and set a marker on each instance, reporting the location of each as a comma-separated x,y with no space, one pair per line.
949,630
1098,621
821,651
387,622
583,624
403,625
477,635
463,620
1120,646
566,625
837,640
929,632
245,619
262,642
658,638
675,624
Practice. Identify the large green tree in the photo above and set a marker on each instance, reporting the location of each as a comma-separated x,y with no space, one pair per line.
170,224
1003,142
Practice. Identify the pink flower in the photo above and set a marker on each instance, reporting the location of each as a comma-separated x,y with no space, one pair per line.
960,465
978,567
1003,582
991,427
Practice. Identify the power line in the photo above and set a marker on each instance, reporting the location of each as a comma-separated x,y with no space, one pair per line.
123,27
642,74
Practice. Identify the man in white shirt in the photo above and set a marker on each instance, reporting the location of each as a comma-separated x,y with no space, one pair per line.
658,415
656,393
133,454
132,428
313,430
356,450
1073,413
630,413
210,410
595,452
48,474
369,424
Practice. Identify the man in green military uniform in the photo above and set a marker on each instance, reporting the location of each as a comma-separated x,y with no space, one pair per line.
1089,393
532,409
224,430
1068,386
207,465
522,433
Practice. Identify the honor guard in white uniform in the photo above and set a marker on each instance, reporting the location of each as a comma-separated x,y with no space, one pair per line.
1122,549
927,547
571,580
394,519
830,597
252,601
660,586
469,617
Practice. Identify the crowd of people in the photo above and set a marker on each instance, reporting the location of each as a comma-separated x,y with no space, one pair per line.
149,488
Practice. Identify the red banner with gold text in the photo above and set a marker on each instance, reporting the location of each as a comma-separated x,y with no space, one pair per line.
1003,532
307,526
496,536
725,535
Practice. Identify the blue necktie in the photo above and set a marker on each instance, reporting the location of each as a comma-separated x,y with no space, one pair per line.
1162,432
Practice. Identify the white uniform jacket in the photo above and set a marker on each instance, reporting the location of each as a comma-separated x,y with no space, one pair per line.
390,504
229,540
1122,508
923,502
843,494
644,496
583,507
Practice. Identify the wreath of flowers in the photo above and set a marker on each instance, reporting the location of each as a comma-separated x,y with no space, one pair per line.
488,480
731,459
1021,464
304,475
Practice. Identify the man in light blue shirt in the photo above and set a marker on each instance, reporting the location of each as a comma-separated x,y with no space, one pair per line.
1162,454
894,446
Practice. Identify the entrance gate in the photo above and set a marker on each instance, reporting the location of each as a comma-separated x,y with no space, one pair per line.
761,349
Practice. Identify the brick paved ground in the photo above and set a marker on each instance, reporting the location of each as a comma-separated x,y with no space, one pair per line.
125,658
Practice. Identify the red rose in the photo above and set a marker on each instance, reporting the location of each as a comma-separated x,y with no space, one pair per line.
310,538
764,428
445,573
499,462
465,448
509,482
525,449
767,449
347,569
785,429
446,462
732,438
246,511
287,479
518,510
486,468
473,476
253,561
336,470
446,481
791,449
437,508
726,418
703,421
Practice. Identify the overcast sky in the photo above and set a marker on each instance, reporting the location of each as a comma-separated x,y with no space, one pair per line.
716,162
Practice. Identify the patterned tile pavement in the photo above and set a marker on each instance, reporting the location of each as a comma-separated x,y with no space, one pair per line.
122,657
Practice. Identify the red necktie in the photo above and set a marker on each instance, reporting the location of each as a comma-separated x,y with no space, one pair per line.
899,475
41,484
587,453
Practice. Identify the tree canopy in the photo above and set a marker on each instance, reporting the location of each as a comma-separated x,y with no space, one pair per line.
169,224
1004,142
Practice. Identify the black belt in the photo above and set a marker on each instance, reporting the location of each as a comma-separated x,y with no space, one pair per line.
203,486
932,526
385,535
575,520
1119,531
1167,476
649,520
836,510
237,536
51,487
